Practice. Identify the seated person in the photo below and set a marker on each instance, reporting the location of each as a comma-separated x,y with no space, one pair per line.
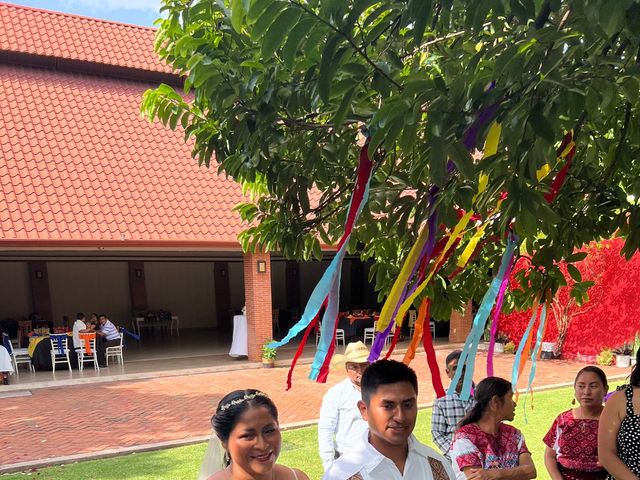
108,332
388,449
79,326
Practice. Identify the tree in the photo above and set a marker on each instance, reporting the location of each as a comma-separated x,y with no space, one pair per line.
279,89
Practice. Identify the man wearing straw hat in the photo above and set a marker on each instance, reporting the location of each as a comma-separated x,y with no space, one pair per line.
340,423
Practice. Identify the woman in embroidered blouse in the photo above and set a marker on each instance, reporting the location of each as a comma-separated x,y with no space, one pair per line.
571,451
484,448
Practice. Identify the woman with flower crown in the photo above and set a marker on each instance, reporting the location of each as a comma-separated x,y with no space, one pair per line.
246,440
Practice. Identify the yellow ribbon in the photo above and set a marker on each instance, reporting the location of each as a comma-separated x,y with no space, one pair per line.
396,292
491,143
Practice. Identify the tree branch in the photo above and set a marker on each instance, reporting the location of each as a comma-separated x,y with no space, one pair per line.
348,38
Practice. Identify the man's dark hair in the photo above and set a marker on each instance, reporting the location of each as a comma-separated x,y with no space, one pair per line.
79,316
385,372
102,315
455,355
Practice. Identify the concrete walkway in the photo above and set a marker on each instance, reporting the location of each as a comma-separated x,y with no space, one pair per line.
45,424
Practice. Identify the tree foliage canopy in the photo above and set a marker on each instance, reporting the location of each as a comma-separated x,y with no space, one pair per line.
279,89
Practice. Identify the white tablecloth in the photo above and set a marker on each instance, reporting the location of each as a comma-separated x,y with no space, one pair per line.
6,365
239,346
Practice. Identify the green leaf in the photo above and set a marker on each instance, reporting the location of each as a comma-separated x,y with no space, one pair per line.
277,32
292,44
437,162
359,6
541,126
421,12
257,8
574,272
237,15
266,19
611,17
327,67
338,117
461,157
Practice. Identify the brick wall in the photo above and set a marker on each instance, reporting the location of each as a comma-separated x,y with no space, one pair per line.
257,290
460,325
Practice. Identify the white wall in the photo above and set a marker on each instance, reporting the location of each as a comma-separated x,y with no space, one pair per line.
15,292
100,287
185,289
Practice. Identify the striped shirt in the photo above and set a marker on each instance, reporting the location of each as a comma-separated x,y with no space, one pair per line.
110,331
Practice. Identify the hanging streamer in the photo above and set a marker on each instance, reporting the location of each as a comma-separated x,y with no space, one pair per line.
427,342
536,350
467,358
328,288
421,322
495,319
523,346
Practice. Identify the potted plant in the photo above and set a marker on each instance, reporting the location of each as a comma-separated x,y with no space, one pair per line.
268,355
501,339
510,348
623,355
605,357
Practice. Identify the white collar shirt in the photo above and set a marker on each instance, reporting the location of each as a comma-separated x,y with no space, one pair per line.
77,326
340,426
370,464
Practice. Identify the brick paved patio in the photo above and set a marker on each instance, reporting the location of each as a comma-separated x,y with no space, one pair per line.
81,419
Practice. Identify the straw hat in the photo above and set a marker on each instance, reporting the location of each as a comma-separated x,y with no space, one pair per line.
356,352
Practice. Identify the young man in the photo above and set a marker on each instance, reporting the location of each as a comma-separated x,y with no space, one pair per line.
449,410
341,426
388,450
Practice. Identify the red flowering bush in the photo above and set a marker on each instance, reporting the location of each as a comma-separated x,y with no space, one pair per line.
609,318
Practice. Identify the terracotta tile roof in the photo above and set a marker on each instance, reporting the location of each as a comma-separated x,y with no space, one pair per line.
80,166
60,35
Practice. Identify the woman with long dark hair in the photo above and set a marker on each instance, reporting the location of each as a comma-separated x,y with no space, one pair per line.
571,451
246,440
486,448
619,433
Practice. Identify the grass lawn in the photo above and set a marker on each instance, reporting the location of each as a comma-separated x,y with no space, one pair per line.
298,449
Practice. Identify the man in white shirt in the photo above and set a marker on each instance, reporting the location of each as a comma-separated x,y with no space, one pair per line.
341,426
79,327
388,450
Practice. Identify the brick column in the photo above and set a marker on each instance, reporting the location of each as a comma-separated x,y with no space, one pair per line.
460,324
257,294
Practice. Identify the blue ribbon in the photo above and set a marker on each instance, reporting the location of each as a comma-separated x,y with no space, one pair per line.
328,286
534,355
57,341
131,334
523,342
467,358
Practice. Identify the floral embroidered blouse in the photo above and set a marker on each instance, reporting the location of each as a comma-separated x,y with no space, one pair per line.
575,441
474,448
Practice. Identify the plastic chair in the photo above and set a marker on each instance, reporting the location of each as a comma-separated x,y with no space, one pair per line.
116,352
413,315
174,319
59,350
370,334
87,353
275,324
18,355
339,336
432,327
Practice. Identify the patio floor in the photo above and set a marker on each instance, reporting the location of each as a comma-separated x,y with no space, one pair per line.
194,351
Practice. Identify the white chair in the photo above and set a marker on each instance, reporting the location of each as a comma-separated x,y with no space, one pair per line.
339,336
85,355
369,334
413,315
275,324
174,319
18,355
59,350
116,352
136,324
432,327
